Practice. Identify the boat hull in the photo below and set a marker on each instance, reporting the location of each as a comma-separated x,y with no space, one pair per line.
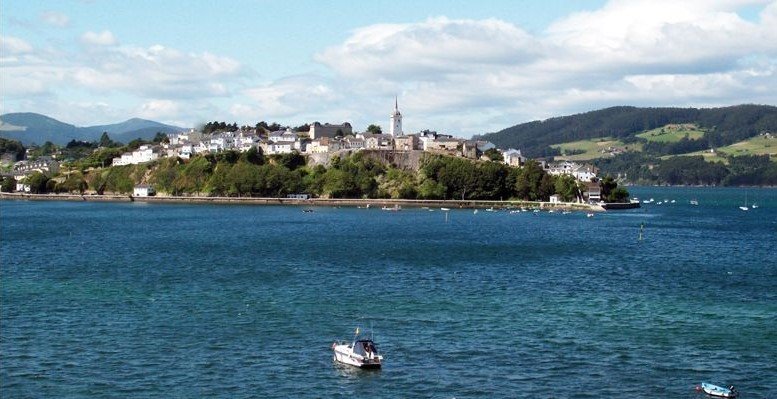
716,391
343,355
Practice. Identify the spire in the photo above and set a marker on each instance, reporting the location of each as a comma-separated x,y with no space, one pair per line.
396,104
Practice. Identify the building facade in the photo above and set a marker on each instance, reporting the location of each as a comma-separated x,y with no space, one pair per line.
317,130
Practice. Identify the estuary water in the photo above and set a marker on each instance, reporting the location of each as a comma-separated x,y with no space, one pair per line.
134,300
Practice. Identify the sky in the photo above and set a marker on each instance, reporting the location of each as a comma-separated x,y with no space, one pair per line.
459,67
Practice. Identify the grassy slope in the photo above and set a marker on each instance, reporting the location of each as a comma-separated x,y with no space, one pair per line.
593,148
754,146
759,145
672,133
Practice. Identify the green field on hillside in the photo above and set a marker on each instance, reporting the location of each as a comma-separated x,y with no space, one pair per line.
673,133
591,149
708,156
759,145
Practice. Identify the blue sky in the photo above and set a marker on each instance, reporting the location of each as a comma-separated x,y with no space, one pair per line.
457,66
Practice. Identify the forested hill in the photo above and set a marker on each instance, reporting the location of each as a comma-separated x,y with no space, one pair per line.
725,126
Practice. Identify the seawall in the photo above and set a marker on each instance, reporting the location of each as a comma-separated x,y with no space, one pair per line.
453,204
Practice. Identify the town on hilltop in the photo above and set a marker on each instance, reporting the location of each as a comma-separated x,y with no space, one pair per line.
319,143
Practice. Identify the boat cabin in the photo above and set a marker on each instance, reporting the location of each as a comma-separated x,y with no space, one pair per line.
363,347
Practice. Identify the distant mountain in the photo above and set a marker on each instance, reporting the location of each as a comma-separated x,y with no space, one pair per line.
29,128
726,125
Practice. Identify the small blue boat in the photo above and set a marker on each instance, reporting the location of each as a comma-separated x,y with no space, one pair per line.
714,390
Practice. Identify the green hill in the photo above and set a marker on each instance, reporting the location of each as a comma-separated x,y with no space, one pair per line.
631,125
29,127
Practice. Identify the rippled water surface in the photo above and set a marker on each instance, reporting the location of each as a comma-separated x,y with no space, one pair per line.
140,300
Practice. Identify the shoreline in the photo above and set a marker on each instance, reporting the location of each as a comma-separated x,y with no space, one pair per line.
355,202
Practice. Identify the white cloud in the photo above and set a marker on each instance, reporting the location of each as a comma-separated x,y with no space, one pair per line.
157,71
640,52
10,45
159,109
432,48
459,76
56,19
104,38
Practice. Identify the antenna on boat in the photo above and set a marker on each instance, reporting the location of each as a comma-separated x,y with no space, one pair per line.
372,332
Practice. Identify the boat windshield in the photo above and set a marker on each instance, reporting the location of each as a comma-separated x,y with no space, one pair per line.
362,347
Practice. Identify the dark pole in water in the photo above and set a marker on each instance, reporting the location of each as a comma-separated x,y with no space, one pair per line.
641,228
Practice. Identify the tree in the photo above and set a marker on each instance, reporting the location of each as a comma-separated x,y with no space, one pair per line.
105,141
374,129
12,147
254,155
611,192
566,187
494,155
37,182
529,181
8,185
160,137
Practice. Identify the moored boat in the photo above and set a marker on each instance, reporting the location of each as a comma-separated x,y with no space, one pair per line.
714,390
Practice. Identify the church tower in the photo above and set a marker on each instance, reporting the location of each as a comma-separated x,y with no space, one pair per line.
396,121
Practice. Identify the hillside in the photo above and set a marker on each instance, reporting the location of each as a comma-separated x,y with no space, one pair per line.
29,128
719,127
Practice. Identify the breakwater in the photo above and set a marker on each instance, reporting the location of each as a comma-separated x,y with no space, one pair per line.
453,204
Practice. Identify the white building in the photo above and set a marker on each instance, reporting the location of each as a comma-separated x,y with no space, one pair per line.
143,190
395,128
323,145
378,141
142,155
513,157
283,135
278,147
579,172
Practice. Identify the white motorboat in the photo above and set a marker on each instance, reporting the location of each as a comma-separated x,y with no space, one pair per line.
714,390
360,353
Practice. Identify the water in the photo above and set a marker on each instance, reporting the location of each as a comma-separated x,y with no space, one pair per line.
139,300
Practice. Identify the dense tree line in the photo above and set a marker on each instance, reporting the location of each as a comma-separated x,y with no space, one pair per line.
641,168
216,126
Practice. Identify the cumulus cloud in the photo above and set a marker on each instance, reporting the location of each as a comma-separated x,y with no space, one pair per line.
159,78
641,52
56,19
159,109
290,96
104,38
157,71
434,47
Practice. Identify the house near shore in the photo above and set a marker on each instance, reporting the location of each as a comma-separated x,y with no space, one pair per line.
46,165
143,190
582,173
143,154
